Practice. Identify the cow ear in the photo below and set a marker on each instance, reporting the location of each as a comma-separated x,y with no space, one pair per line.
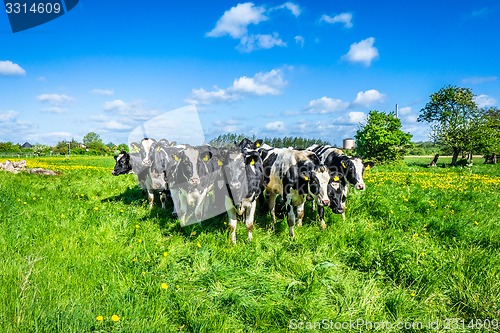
258,143
206,156
173,143
368,165
304,175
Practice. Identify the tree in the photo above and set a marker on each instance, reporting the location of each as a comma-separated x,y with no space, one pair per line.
381,138
93,141
454,119
488,140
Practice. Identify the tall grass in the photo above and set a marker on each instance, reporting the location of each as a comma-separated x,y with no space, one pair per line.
418,245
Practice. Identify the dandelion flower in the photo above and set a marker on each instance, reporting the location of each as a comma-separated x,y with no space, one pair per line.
193,233
413,294
25,203
415,236
198,244
96,208
475,222
18,200
115,318
121,210
165,254
422,254
164,286
139,240
137,226
134,260
99,318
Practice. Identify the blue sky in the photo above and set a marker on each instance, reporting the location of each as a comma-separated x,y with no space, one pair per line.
270,68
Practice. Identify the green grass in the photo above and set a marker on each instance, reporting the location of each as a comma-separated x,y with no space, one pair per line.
418,245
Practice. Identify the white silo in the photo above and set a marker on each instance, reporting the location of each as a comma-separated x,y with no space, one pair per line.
348,144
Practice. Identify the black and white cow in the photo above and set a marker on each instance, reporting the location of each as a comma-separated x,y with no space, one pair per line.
346,169
243,175
140,161
192,180
295,176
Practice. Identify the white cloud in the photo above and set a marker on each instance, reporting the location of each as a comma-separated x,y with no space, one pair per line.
8,68
293,8
405,110
54,109
50,138
484,101
326,105
114,125
256,42
118,106
369,97
356,117
479,79
299,40
276,126
344,18
54,99
8,116
103,92
235,21
263,83
363,52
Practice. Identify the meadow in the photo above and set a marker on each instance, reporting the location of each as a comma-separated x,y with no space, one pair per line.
417,252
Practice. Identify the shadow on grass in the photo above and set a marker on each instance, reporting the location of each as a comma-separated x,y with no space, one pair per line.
131,196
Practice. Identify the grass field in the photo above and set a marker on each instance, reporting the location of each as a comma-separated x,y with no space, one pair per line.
82,252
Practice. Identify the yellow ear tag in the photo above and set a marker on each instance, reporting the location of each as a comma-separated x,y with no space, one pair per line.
176,158
252,162
205,158
219,163
158,148
306,178
367,167
257,145
336,178
343,164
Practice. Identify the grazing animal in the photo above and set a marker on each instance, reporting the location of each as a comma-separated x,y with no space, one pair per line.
296,176
243,175
347,169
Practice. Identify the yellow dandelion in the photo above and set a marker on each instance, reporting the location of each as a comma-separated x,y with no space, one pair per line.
96,208
475,222
82,195
413,294
391,211
452,212
137,226
422,254
34,198
415,236
121,210
498,205
193,233
198,244
134,260
18,200
99,318
115,318
139,240
165,254
25,203
164,286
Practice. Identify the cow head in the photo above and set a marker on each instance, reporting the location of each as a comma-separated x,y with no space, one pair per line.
122,165
192,164
352,169
336,194
317,184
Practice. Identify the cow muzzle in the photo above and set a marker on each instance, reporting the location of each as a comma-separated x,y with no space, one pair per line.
360,186
326,202
194,181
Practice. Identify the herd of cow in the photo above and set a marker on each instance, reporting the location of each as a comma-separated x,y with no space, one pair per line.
204,181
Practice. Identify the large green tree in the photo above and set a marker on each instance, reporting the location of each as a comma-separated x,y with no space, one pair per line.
454,119
488,138
93,140
381,138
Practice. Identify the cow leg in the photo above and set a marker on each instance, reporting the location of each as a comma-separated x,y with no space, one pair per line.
163,199
321,214
249,219
272,206
151,198
232,218
291,220
300,214
174,194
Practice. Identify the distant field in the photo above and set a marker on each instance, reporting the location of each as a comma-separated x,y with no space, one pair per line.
82,252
